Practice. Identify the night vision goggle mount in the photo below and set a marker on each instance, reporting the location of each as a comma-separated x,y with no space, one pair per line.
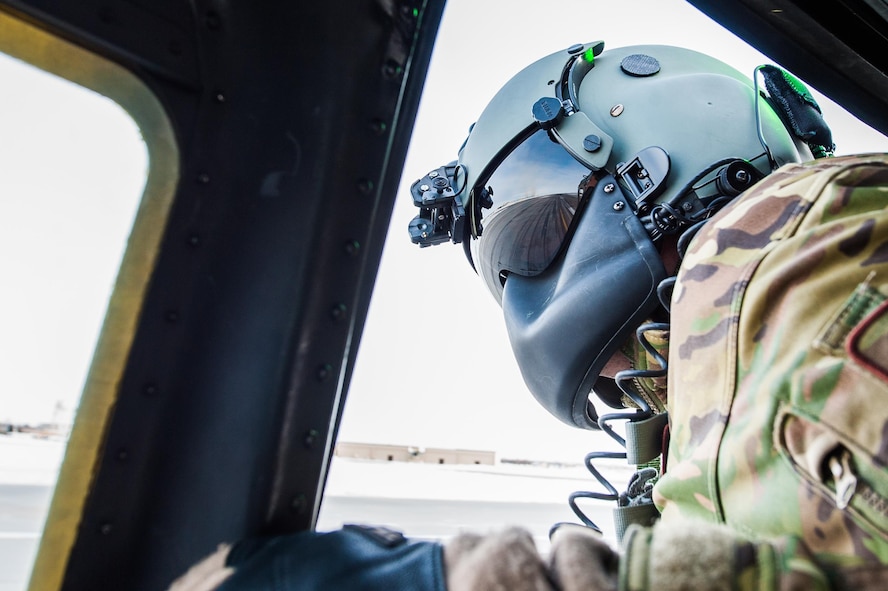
441,210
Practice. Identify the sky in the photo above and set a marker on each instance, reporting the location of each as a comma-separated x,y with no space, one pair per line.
435,368
442,374
72,170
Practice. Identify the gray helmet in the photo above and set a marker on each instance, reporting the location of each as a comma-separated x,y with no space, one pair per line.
571,176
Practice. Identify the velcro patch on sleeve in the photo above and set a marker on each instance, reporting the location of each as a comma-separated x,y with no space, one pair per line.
862,302
868,342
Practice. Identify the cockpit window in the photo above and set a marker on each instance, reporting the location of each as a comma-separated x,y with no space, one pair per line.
73,169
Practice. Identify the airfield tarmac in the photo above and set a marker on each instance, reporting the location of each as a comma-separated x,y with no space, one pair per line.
425,501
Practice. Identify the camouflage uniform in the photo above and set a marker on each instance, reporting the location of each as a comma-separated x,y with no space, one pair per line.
778,382
778,386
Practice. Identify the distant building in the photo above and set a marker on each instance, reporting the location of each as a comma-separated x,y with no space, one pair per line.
404,453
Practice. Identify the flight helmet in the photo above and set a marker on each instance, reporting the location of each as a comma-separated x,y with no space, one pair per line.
576,176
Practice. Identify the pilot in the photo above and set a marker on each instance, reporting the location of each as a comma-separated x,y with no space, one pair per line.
674,248
679,258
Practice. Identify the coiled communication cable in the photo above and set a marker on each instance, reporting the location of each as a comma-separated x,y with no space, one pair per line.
624,380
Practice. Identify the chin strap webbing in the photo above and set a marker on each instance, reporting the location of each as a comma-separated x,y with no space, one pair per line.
636,505
644,439
644,445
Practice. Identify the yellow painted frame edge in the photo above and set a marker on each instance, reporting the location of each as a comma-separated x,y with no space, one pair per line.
102,388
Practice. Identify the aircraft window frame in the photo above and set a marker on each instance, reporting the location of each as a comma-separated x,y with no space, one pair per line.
51,53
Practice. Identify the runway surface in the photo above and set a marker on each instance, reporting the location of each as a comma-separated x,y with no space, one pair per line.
23,510
425,501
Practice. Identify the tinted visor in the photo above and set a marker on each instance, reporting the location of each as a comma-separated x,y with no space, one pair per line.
535,199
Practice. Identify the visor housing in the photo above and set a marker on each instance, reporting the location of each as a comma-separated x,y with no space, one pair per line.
536,193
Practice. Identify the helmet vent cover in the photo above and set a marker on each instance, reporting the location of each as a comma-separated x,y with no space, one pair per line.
640,65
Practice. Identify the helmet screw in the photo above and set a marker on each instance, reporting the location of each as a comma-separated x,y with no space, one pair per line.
575,49
424,188
440,183
609,188
433,174
592,143
619,205
616,110
742,176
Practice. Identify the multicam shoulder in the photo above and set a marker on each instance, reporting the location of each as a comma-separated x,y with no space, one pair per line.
778,376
